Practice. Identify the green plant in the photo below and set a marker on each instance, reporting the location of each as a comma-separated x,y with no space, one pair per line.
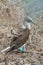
26,1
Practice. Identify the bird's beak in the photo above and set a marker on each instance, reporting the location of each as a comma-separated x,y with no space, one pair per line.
33,22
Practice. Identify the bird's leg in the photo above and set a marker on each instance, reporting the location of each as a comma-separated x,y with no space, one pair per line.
24,46
30,38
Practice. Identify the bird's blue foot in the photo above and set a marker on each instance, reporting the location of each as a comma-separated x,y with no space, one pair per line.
21,49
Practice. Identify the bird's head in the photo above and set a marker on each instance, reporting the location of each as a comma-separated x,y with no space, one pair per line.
27,21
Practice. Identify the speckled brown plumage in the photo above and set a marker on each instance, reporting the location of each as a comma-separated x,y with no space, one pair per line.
20,40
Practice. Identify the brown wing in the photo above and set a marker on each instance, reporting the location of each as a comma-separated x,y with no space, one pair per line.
21,39
14,39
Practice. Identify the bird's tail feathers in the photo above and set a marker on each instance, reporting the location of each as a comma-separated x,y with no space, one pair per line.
6,50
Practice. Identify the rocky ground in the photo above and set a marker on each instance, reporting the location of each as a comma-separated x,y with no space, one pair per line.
34,50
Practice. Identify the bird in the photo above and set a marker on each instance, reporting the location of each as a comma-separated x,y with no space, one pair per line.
19,41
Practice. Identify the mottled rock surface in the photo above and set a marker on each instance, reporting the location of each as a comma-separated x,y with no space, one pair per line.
10,12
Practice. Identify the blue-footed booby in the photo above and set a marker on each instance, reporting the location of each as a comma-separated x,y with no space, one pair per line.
19,42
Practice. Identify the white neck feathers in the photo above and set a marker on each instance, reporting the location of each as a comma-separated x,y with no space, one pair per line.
26,25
